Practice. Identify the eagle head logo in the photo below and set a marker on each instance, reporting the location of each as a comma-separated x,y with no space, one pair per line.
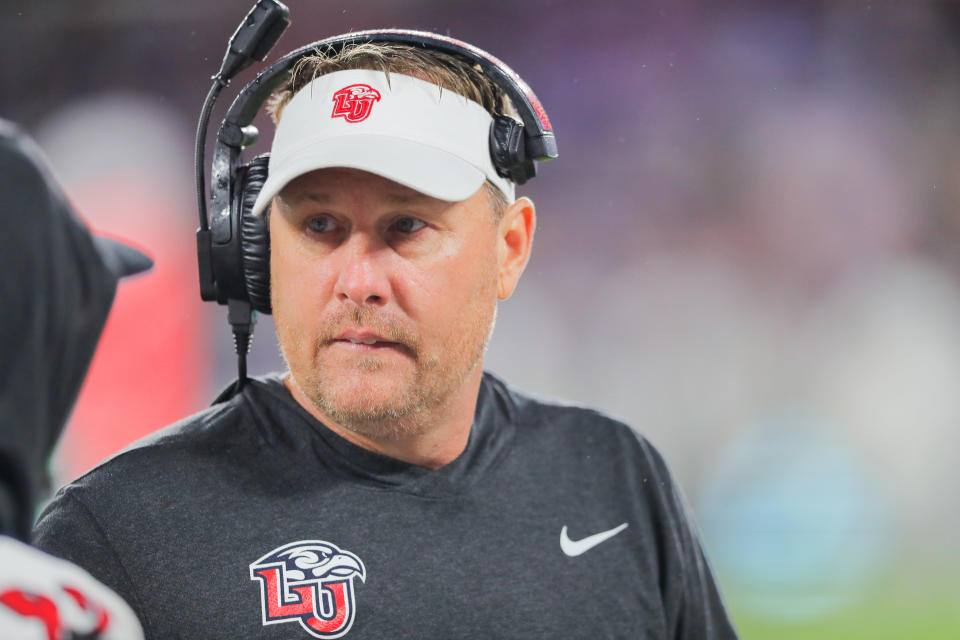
354,103
310,582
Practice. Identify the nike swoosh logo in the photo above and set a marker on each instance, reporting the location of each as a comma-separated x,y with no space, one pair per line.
574,548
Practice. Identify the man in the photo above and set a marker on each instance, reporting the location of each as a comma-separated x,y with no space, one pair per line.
385,486
56,288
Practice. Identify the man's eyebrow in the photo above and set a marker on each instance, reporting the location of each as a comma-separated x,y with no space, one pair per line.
304,196
414,197
322,197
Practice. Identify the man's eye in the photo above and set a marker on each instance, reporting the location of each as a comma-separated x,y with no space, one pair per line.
321,224
408,225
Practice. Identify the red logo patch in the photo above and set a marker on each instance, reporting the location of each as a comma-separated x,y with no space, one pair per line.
309,582
354,103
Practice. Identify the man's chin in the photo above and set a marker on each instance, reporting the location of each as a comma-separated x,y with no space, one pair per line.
371,407
351,411
377,422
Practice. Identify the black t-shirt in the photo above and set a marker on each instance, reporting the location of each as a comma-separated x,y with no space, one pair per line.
253,520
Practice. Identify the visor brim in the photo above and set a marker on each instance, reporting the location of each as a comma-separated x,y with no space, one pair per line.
431,171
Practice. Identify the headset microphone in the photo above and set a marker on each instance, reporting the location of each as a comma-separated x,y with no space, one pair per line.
255,36
253,39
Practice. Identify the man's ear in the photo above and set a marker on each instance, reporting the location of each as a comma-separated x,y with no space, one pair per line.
514,239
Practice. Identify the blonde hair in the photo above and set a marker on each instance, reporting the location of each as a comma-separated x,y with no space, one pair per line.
448,71
445,70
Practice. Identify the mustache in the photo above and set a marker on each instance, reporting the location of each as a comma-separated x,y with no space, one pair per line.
369,319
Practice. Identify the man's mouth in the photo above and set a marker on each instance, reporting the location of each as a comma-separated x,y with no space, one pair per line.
370,342
365,340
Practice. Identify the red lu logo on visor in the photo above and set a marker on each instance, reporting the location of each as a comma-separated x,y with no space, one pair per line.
354,103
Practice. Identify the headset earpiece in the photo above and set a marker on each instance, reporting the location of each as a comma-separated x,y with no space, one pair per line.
255,235
507,150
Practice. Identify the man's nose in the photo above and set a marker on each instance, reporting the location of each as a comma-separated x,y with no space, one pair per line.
362,278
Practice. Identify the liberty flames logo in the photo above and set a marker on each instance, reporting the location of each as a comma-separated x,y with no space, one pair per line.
355,102
310,582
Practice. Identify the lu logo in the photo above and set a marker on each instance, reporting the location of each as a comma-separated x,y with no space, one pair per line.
310,582
355,102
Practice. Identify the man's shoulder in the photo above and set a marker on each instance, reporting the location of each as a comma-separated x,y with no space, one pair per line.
173,452
533,407
556,438
561,418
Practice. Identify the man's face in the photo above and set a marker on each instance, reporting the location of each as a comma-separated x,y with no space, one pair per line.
383,297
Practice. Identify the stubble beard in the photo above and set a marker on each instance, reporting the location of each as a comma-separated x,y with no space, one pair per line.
414,401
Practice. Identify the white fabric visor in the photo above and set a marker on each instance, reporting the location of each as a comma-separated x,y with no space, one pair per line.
408,130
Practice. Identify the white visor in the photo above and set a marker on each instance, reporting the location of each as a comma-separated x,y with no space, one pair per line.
408,130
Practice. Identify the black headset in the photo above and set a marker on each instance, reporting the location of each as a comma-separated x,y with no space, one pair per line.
233,246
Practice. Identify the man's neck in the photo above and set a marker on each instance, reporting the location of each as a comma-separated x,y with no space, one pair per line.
440,435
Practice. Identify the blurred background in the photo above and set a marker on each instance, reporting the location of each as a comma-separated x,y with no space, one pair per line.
749,249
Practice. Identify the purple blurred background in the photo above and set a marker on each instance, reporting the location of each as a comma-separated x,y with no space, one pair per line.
749,249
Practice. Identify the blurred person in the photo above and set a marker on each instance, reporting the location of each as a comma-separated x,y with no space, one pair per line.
385,485
57,288
151,372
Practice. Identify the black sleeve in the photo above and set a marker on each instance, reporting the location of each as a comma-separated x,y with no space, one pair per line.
67,529
692,602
